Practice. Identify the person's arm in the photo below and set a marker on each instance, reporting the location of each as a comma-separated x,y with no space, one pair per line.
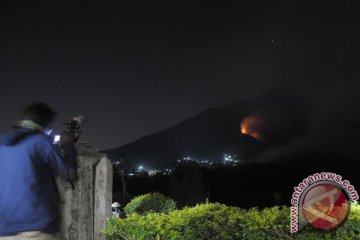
69,154
62,158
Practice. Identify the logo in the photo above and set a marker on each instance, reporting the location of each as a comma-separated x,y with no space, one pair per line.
325,206
322,200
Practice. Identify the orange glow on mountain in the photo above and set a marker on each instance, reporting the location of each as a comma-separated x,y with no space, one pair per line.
252,126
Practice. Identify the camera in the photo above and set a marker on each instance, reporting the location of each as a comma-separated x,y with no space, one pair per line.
72,130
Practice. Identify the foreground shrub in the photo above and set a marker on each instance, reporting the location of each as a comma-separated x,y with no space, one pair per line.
217,221
151,202
204,221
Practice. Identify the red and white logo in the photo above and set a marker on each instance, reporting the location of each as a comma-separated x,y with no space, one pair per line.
322,200
325,205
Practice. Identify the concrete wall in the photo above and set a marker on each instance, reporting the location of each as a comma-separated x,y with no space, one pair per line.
103,196
85,209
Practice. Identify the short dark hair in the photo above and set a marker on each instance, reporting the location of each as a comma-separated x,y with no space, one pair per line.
40,113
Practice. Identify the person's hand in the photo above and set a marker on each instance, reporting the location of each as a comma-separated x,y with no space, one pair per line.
67,137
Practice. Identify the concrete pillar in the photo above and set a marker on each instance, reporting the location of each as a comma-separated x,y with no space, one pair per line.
103,196
90,202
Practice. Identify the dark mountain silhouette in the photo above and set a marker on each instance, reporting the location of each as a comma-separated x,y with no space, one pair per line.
215,131
297,140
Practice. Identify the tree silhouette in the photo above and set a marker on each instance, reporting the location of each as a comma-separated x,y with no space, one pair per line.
186,185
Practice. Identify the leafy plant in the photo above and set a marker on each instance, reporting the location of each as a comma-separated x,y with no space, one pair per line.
214,221
151,202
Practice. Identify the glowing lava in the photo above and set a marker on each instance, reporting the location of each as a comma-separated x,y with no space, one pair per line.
252,125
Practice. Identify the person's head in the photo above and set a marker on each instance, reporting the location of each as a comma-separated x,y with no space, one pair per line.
40,113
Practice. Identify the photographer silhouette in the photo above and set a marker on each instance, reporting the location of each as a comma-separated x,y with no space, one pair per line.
29,163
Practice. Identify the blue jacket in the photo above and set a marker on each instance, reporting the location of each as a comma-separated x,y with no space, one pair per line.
29,198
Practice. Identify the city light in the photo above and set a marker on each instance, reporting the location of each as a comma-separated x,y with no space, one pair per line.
224,160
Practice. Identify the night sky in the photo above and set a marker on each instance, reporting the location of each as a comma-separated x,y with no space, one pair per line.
137,67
